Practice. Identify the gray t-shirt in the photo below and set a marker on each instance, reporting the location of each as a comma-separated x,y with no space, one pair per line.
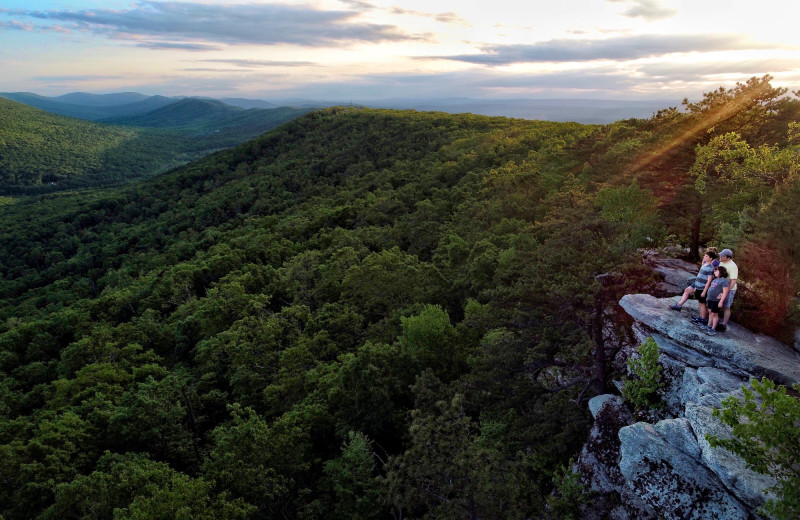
717,286
702,275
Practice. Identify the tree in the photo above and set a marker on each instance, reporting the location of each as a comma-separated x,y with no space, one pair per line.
765,428
451,469
429,340
133,486
745,108
357,493
642,391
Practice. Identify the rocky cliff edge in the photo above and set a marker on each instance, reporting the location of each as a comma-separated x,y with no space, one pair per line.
663,467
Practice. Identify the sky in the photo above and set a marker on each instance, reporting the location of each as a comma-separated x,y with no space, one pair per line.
363,50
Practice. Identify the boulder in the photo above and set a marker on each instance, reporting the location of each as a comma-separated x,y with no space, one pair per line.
670,481
597,403
678,433
668,469
737,351
748,486
674,272
698,385
598,462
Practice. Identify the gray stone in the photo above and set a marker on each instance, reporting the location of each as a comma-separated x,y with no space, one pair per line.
673,271
598,462
599,459
715,400
737,350
673,373
690,387
673,349
597,403
671,482
669,470
678,433
797,339
748,486
715,380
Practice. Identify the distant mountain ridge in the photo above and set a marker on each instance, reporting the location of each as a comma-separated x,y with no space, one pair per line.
96,107
102,100
90,106
186,112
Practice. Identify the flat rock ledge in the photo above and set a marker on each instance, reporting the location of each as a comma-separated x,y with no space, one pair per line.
665,468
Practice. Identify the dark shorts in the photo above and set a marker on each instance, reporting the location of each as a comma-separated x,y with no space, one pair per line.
698,295
713,306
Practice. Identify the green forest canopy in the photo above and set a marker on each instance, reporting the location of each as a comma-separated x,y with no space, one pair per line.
42,152
361,312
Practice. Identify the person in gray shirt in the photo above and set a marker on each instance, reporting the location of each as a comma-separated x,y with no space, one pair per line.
700,286
717,292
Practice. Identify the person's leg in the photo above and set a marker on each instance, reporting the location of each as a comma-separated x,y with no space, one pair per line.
726,314
703,311
686,292
713,320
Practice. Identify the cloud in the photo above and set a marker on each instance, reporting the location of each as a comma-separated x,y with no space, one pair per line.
358,4
17,26
250,64
676,71
647,9
486,84
228,24
449,17
620,48
76,77
186,46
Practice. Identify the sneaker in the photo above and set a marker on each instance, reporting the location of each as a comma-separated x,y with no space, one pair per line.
675,307
697,319
711,332
721,328
702,323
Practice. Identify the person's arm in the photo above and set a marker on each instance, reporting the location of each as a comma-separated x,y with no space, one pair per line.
708,284
733,283
724,295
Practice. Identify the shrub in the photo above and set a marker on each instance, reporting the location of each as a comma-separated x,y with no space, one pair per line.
766,434
642,391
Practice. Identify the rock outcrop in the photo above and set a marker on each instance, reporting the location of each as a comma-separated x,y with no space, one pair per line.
663,466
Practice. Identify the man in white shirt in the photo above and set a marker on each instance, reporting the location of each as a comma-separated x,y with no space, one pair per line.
726,260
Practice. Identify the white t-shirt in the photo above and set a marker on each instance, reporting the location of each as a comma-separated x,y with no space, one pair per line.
733,272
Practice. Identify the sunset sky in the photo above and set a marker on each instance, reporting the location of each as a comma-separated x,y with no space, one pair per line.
375,49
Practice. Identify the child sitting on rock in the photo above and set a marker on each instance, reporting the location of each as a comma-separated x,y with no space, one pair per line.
700,286
717,292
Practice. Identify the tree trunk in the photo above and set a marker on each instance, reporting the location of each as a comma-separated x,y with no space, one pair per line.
600,376
694,242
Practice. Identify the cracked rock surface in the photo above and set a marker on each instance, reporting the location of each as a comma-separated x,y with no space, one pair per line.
668,469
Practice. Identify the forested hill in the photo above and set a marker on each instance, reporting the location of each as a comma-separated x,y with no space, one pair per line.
186,112
40,151
361,313
200,117
40,148
91,107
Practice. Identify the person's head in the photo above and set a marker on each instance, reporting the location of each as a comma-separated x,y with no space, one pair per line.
711,253
725,255
720,272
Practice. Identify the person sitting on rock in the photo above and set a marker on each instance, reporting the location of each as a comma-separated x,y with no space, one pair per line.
700,285
717,292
